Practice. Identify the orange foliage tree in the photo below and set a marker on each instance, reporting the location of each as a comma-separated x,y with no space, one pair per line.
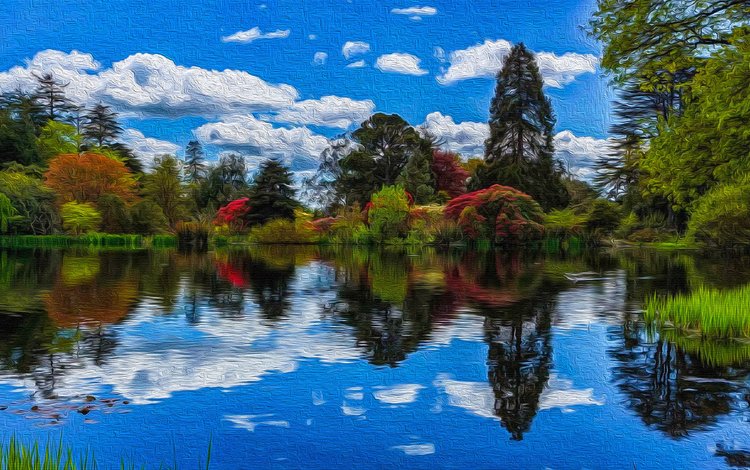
87,177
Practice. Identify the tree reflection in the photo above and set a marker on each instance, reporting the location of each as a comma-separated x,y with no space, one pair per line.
672,388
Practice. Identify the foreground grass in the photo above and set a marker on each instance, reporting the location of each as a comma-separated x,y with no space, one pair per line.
711,312
97,240
15,455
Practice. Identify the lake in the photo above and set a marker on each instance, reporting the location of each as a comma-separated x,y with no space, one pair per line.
319,357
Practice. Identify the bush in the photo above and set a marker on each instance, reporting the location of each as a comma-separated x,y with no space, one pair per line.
564,223
284,231
388,213
147,218
603,218
37,213
115,214
232,217
80,218
721,218
498,213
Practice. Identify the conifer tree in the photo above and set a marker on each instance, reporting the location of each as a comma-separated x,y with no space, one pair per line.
195,161
519,152
101,126
271,194
50,95
417,177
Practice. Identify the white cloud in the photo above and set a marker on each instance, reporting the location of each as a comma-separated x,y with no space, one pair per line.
352,48
486,59
320,58
357,65
399,62
466,138
253,34
328,111
415,11
297,146
146,148
580,153
312,37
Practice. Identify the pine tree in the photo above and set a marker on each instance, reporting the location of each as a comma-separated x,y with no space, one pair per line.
50,95
195,161
271,194
417,177
101,126
519,152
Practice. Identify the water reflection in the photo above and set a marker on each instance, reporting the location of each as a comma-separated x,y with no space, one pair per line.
143,326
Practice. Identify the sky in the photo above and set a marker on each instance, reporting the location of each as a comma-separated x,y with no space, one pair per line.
277,78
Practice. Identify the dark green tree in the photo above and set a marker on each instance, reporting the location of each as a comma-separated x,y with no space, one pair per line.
271,194
417,177
21,119
519,152
164,187
101,126
195,161
385,144
50,95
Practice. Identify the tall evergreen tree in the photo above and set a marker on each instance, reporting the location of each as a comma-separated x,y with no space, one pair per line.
21,119
50,94
519,151
271,194
195,161
417,177
101,126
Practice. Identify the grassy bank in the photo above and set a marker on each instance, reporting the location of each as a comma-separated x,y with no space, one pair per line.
710,312
97,240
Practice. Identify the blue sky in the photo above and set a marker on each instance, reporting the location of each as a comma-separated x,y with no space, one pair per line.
152,60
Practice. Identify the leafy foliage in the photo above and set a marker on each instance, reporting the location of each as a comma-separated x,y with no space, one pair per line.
164,186
233,215
498,213
87,177
722,217
35,203
389,212
450,175
80,218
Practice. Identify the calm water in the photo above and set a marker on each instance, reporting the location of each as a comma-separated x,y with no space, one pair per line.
315,358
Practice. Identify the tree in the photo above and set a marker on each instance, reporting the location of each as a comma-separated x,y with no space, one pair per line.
50,94
271,194
519,151
20,120
450,175
385,143
79,218
164,187
147,218
57,138
115,216
35,203
321,188
233,215
88,176
101,126
195,161
417,177
224,182
388,213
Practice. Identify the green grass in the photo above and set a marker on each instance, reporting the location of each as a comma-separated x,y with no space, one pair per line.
93,240
712,313
16,455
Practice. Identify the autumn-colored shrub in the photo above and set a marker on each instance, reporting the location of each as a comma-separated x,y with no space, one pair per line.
87,177
499,213
450,175
232,216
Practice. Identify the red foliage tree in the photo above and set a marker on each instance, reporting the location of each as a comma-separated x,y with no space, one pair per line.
233,214
450,176
87,177
499,213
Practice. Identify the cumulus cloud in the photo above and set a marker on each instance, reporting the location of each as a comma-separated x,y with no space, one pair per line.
357,65
320,58
146,148
352,48
399,62
328,111
415,11
253,34
467,138
298,146
580,153
486,59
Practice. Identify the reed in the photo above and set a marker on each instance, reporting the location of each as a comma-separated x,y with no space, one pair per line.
18,456
63,241
710,312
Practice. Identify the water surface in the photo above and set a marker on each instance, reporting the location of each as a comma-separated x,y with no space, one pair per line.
292,357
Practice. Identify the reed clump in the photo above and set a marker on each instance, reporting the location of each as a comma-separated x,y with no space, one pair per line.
710,312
